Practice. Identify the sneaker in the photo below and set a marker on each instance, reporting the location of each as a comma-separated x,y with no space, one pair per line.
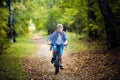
52,60
61,67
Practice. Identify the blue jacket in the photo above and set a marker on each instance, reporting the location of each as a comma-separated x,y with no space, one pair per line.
53,37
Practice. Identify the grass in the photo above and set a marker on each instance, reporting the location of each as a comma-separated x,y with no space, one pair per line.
79,43
11,60
75,45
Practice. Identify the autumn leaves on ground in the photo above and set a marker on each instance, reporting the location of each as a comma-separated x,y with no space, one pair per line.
86,65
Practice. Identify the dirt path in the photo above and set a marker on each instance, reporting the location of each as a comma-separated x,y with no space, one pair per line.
38,66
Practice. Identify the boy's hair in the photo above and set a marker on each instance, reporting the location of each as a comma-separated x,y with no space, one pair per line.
59,25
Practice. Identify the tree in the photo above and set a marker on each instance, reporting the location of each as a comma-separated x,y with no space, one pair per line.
109,23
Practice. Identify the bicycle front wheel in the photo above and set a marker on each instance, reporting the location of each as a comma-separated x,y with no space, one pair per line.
56,64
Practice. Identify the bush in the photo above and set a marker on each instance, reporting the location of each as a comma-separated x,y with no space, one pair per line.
4,41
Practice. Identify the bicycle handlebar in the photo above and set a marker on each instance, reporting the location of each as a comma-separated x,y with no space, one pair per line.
65,45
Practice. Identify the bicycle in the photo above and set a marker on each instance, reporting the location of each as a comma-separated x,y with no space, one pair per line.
57,60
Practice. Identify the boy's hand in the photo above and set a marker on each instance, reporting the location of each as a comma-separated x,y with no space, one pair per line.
49,42
65,43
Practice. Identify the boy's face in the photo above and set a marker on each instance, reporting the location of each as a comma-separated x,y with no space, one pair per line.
59,29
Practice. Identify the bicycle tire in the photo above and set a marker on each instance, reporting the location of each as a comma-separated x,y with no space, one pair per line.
56,64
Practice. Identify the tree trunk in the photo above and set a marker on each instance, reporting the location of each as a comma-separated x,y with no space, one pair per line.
91,15
109,24
1,3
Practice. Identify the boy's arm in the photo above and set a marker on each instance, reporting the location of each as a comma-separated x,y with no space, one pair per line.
66,39
49,40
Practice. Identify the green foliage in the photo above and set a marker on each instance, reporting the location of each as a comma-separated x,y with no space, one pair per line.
95,21
92,27
46,14
4,42
68,16
20,19
73,14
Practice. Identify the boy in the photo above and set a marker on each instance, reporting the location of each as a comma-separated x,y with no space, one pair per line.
58,39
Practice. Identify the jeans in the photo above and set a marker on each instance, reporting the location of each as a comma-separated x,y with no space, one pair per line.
58,48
